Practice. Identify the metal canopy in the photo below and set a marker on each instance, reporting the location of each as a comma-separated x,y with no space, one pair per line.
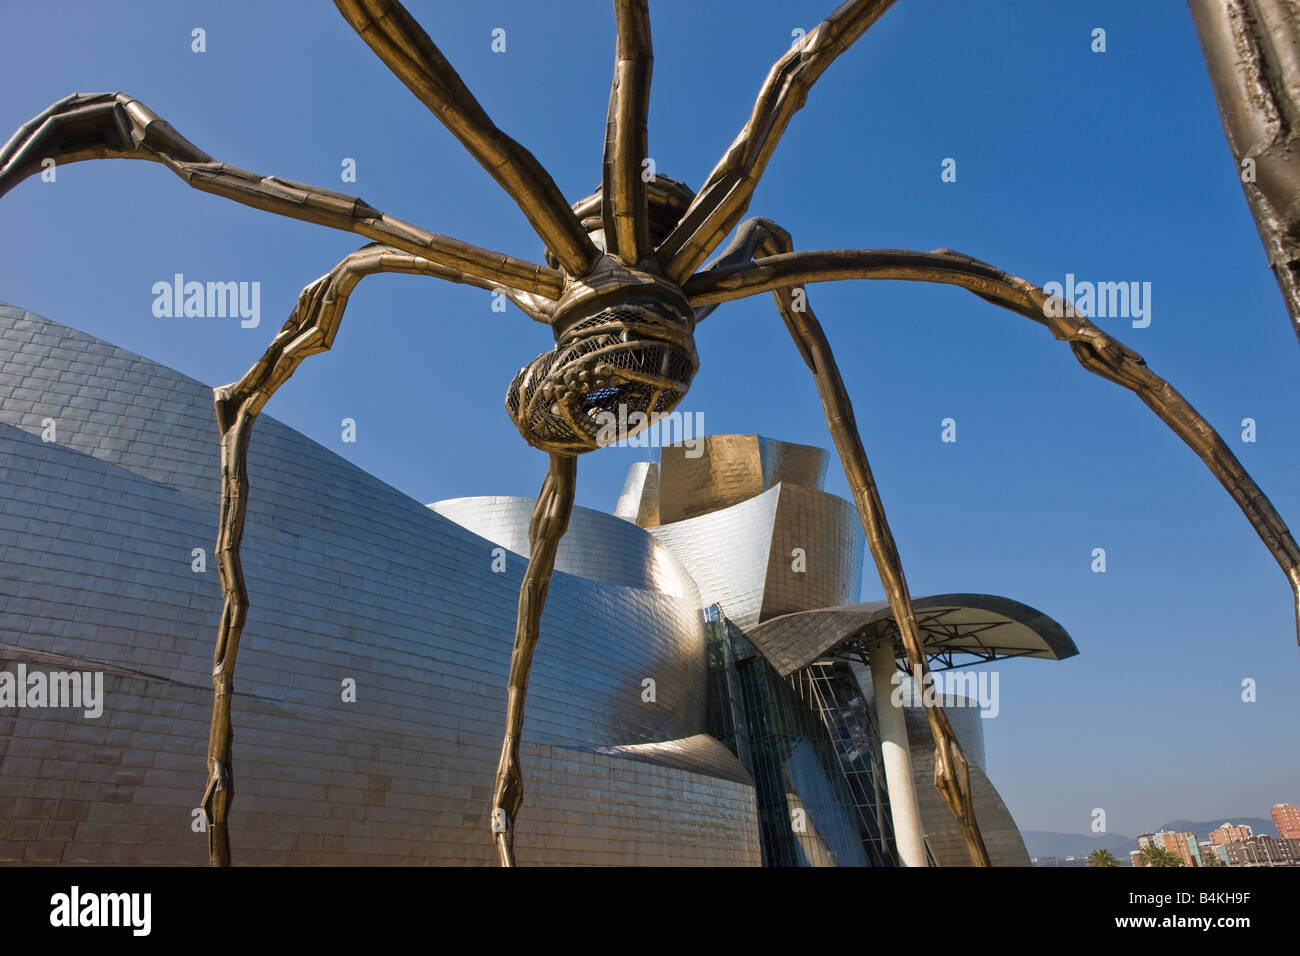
985,627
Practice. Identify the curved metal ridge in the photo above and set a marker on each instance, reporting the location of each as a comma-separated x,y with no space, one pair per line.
795,640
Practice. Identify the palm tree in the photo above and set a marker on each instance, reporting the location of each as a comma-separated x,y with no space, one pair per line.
1102,858
1153,855
1211,858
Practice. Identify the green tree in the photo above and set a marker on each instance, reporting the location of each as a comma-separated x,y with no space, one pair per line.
1102,858
1153,855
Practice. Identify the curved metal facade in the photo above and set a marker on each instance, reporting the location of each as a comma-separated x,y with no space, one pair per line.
942,835
787,549
349,581
597,546
782,560
730,469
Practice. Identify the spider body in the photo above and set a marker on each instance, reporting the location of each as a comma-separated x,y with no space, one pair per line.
624,340
622,294
624,353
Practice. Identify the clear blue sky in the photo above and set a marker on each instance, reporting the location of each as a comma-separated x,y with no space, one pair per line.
1110,166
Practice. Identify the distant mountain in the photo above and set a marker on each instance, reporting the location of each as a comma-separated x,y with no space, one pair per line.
1202,830
1049,843
1044,843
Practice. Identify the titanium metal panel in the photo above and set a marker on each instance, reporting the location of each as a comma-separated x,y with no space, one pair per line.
817,552
731,469
349,579
1001,835
639,502
597,546
727,552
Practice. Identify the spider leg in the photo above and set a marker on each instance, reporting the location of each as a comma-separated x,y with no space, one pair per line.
623,193
1252,50
1095,350
951,771
741,250
549,521
115,126
725,195
407,51
309,330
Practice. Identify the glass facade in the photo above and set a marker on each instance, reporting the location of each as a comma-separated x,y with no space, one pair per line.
810,745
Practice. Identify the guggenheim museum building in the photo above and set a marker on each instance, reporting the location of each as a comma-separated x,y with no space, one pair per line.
708,689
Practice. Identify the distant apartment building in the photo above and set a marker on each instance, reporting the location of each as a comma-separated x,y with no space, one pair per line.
1264,851
1182,845
1209,849
1228,833
1286,817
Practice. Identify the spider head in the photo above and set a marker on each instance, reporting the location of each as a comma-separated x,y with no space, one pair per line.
624,354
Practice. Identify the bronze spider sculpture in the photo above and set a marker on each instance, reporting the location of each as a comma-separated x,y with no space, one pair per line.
623,290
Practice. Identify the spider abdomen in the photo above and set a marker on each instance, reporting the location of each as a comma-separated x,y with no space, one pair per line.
613,370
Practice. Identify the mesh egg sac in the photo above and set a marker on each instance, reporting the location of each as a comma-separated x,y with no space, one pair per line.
627,358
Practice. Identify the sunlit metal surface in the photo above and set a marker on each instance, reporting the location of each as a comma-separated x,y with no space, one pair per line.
942,835
351,580
776,542
639,501
978,626
598,546
724,470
